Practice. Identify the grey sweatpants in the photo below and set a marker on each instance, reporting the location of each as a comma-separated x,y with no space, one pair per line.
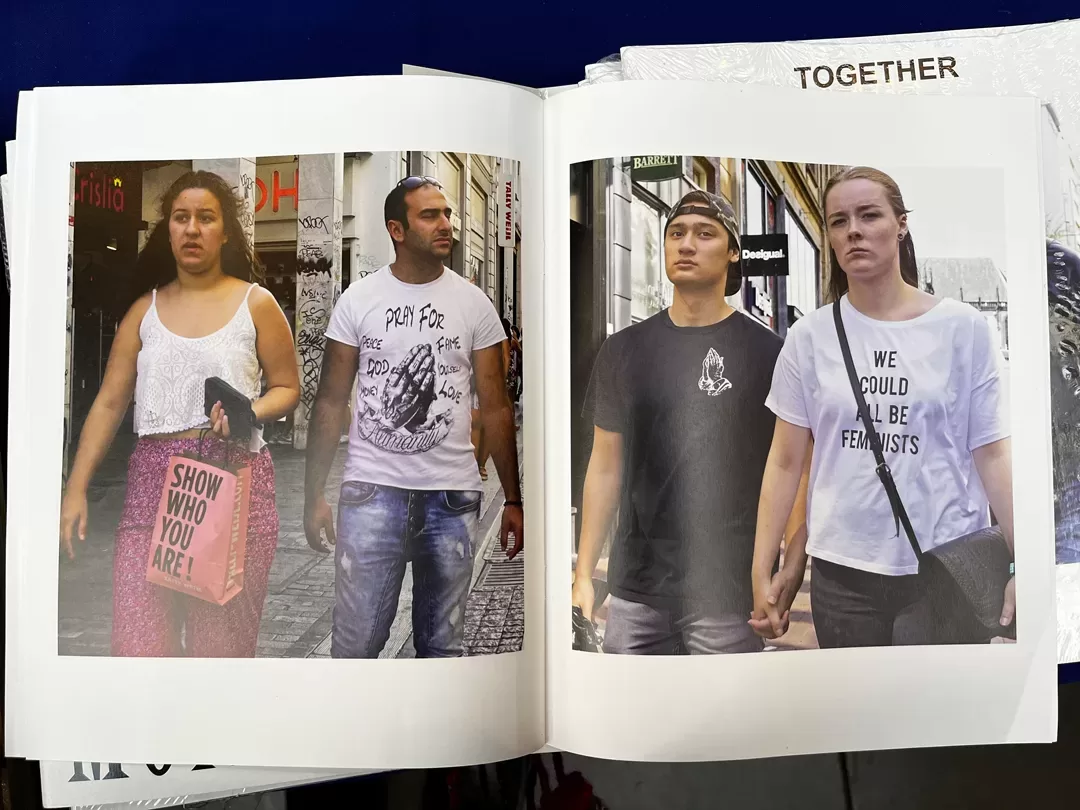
634,628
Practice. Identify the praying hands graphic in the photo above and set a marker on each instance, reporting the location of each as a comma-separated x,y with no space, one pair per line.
712,375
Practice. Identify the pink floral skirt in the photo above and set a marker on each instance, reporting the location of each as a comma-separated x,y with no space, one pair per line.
149,620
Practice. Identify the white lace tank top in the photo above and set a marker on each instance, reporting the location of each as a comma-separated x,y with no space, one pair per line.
171,372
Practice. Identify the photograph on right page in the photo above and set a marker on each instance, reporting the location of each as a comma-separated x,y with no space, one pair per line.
1022,60
789,394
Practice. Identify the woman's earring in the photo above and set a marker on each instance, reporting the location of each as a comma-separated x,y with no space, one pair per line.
901,237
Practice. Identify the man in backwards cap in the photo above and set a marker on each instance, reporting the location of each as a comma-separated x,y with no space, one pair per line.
681,435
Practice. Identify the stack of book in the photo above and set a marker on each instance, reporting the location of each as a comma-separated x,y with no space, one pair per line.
756,365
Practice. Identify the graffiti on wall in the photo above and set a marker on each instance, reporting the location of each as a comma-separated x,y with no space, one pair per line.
246,192
314,305
318,228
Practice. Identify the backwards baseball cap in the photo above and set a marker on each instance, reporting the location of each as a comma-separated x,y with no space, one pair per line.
715,207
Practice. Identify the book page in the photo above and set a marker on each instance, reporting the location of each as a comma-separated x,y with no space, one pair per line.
298,638
1021,60
694,369
66,784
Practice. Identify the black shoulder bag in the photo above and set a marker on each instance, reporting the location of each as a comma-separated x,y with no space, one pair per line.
965,578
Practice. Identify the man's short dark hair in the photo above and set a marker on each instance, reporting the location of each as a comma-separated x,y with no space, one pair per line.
395,209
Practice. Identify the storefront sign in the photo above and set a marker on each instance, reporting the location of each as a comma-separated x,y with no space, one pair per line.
651,168
765,255
276,187
504,193
97,187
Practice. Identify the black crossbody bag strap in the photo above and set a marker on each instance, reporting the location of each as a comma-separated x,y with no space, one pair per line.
883,471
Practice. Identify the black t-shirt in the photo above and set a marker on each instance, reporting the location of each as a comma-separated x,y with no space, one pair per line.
690,405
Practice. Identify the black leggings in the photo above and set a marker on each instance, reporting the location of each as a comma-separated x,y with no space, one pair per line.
854,608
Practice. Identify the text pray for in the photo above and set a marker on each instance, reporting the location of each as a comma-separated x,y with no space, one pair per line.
407,316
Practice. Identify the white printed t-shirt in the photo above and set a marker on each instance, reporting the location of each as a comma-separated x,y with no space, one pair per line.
411,422
934,389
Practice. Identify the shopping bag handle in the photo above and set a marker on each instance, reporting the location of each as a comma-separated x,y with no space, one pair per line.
199,449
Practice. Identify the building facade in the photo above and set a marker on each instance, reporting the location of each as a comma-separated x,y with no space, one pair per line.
1061,182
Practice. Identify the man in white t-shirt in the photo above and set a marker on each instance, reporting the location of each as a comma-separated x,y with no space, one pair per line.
412,335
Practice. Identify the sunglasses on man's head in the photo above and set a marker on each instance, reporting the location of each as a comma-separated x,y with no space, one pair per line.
415,181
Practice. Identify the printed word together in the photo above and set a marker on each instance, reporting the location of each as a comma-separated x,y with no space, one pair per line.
925,69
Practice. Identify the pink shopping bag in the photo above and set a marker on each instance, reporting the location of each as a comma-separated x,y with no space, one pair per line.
200,532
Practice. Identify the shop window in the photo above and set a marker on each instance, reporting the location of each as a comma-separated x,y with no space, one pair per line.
704,174
448,170
726,182
754,221
803,266
650,289
478,208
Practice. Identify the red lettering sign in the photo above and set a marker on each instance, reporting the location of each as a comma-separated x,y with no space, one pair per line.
277,193
100,190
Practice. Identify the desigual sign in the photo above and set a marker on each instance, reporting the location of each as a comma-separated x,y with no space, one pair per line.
765,255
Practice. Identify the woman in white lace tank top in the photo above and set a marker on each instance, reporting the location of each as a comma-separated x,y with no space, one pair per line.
203,315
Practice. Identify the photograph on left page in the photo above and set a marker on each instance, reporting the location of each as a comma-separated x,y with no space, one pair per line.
293,408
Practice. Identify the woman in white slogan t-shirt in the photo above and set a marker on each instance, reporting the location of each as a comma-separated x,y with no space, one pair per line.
929,369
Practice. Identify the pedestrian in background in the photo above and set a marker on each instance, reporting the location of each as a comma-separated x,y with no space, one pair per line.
514,363
930,371
203,315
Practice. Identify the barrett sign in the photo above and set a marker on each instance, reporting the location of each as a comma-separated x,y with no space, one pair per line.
765,255
651,168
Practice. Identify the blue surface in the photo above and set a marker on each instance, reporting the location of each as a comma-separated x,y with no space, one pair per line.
49,42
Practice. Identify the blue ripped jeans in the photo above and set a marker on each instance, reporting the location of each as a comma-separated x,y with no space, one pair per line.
380,528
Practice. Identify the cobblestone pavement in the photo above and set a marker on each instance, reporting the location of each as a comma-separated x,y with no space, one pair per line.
298,611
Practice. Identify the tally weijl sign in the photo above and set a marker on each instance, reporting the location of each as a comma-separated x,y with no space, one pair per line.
505,196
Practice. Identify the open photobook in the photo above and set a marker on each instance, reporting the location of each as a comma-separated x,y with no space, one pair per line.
552,436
